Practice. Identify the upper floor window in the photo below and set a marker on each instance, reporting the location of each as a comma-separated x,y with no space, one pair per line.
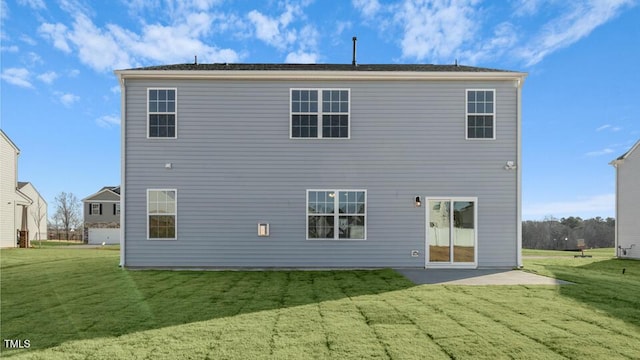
320,113
116,209
162,113
336,214
95,209
481,114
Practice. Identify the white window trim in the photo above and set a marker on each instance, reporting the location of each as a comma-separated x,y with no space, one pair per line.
175,113
118,207
319,113
450,264
336,215
467,113
94,212
174,214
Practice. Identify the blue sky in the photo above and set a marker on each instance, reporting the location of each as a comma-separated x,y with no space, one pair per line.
60,101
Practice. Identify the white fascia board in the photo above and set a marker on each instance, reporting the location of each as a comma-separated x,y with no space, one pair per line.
26,200
100,192
9,141
318,75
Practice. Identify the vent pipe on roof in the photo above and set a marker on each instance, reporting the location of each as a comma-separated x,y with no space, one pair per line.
353,62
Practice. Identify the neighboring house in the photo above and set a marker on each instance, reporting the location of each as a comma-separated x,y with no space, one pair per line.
19,202
321,166
627,200
102,216
37,211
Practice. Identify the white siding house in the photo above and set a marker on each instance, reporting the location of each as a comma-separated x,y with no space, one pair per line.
627,200
8,195
36,213
17,199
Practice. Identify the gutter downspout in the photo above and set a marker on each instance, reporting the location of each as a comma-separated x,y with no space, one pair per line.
519,84
123,208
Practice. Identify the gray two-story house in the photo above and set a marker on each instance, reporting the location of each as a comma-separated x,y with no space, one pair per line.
102,216
320,166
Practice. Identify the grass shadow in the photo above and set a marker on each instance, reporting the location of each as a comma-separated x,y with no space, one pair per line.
601,283
51,296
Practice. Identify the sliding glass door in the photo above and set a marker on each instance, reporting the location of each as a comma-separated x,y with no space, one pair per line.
451,232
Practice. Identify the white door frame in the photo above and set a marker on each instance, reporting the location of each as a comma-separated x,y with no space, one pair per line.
451,264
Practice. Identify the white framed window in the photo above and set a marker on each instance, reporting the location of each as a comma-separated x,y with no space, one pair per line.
162,214
161,113
336,214
320,113
95,209
116,209
481,114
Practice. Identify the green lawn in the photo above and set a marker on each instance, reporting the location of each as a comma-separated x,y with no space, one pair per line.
604,252
77,304
53,243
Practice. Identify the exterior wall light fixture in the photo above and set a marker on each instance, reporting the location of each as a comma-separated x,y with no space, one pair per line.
418,201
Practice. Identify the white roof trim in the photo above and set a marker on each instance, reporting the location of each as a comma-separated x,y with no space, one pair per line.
100,192
621,159
318,75
13,145
24,196
35,190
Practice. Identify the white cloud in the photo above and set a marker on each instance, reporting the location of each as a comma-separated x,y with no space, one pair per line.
108,121
34,59
504,38
301,57
34,4
436,30
273,30
56,33
604,151
527,7
609,127
27,39
10,49
114,47
441,31
597,204
73,73
4,10
576,23
279,32
368,8
17,76
97,48
67,99
115,89
48,77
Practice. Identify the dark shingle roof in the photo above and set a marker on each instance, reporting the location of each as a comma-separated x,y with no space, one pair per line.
321,67
115,189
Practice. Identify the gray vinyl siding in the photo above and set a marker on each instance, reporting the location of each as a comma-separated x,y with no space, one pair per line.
234,165
107,199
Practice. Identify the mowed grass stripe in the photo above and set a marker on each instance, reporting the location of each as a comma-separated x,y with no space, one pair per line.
83,306
541,333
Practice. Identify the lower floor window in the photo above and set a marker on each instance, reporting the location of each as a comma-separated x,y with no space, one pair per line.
336,214
161,213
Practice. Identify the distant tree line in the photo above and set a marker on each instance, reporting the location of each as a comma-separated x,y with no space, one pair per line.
565,233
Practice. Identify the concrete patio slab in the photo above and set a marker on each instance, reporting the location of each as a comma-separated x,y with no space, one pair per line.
477,277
